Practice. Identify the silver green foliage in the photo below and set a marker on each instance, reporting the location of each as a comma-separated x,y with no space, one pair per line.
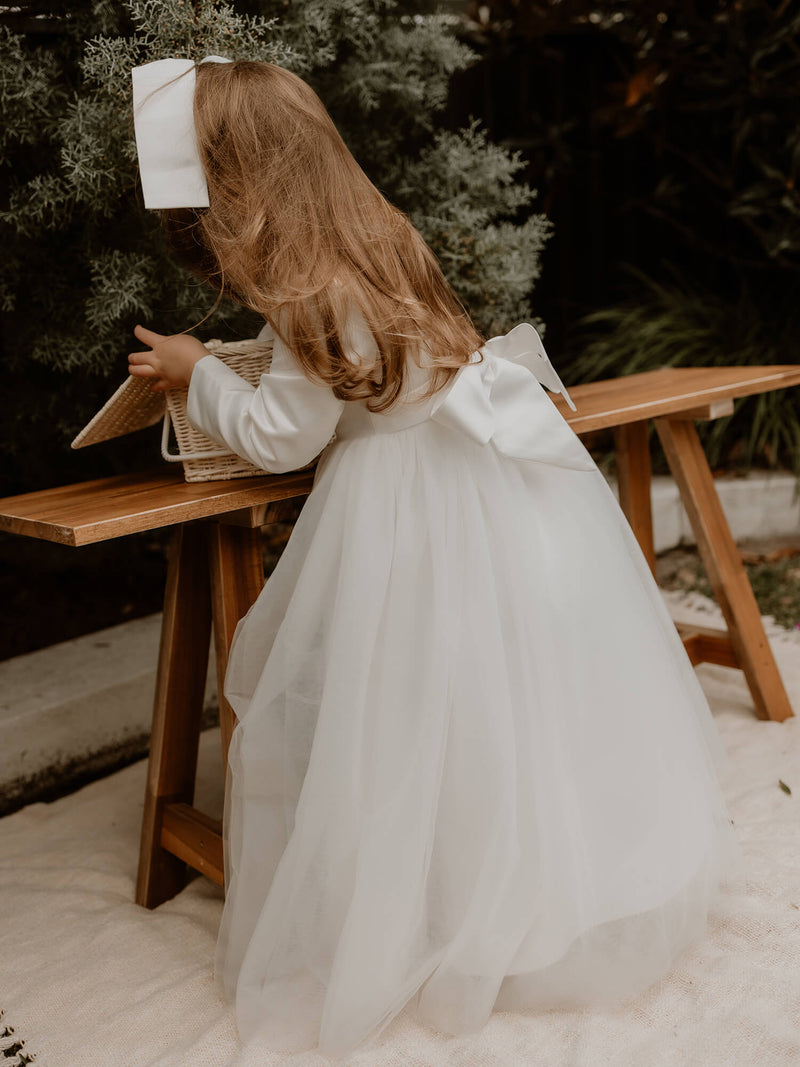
83,252
468,209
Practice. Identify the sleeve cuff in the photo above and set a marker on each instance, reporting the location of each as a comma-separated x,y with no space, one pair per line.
209,378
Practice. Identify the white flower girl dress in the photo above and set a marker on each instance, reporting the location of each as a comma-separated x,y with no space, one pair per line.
473,768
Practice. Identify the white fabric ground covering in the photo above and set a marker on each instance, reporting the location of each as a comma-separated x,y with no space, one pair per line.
88,978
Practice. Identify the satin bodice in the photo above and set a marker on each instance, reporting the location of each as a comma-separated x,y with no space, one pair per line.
497,398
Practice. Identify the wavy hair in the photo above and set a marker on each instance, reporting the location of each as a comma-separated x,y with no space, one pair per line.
296,231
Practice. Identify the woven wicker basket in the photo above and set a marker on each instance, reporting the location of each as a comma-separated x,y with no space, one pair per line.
134,406
203,459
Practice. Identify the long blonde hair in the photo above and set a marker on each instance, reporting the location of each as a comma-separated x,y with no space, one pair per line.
296,231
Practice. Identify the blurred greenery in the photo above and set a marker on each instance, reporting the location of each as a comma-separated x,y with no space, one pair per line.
83,259
672,325
711,89
665,143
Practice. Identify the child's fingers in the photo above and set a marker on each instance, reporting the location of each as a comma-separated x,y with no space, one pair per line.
143,370
144,359
149,337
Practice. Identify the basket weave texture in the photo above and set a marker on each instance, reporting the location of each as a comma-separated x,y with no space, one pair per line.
250,359
134,406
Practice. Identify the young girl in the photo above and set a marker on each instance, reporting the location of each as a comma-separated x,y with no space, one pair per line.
473,768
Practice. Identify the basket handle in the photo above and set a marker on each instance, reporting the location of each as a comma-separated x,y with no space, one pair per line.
179,457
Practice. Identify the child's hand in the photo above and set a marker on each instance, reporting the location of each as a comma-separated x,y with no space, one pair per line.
171,362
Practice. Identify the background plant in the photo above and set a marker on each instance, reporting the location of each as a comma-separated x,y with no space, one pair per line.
84,261
663,137
714,89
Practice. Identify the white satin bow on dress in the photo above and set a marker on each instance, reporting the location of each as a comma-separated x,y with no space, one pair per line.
501,400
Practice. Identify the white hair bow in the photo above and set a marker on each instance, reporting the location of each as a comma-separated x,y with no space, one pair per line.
163,119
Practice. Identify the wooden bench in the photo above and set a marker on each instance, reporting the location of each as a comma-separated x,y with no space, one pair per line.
675,397
215,573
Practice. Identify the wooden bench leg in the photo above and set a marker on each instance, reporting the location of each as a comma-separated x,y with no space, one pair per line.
632,451
724,567
237,577
177,710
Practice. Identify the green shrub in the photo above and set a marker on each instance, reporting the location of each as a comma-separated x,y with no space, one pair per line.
84,261
674,325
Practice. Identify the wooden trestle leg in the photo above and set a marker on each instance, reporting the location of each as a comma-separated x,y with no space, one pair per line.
177,710
724,568
215,572
632,451
237,577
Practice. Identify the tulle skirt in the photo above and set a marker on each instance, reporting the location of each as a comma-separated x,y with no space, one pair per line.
473,768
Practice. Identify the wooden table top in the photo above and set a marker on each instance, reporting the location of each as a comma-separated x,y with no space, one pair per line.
669,391
131,503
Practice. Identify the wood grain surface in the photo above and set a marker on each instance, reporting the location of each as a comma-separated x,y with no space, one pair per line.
237,577
669,391
632,449
194,838
111,507
177,709
130,503
723,564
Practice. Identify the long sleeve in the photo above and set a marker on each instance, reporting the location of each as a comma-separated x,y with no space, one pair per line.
279,426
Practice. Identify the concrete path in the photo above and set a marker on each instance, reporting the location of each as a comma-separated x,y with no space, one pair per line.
74,710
